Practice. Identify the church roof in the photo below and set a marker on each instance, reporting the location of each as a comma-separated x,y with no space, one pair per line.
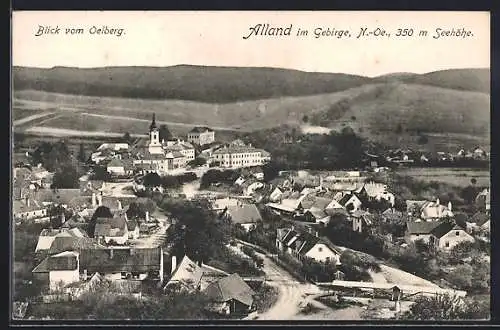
153,123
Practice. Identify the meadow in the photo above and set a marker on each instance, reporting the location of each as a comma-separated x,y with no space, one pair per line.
454,176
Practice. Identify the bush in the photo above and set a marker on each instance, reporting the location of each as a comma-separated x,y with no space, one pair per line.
266,296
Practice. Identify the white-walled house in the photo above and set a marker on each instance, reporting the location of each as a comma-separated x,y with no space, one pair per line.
305,245
58,270
448,235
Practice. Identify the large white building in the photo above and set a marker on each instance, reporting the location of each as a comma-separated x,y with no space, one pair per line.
240,156
201,136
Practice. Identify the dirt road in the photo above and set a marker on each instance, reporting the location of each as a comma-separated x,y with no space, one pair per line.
292,294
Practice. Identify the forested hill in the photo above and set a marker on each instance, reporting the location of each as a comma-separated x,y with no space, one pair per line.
223,84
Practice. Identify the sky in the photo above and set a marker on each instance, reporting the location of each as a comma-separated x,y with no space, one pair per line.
216,39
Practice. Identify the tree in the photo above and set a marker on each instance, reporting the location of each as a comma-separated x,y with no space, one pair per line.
461,276
200,161
198,232
305,118
165,133
65,178
152,180
126,137
445,307
422,139
473,181
101,173
271,171
100,212
81,154
55,213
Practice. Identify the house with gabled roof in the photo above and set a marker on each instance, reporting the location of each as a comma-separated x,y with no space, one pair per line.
29,209
288,206
246,215
201,135
58,270
117,263
112,230
420,230
306,245
483,199
448,234
187,275
350,201
230,295
362,221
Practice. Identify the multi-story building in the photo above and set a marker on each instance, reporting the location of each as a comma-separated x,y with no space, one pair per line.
201,135
240,156
183,147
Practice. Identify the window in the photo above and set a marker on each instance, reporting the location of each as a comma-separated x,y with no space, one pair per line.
320,249
457,233
447,244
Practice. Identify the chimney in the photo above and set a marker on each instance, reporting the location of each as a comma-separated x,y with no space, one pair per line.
147,216
316,233
111,253
94,201
437,201
99,199
119,205
28,201
84,274
449,205
63,216
293,227
125,215
174,264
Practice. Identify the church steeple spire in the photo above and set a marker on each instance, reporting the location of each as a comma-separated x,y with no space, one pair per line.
153,123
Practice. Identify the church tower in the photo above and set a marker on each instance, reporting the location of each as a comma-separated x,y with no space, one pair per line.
155,146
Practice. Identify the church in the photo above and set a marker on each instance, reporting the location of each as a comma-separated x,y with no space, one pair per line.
163,157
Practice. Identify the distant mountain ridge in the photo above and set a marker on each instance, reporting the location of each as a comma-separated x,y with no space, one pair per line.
223,84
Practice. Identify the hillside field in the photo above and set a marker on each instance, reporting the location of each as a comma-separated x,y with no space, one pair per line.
453,176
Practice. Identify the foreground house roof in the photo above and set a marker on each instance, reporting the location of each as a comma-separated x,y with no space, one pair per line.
114,260
230,288
187,273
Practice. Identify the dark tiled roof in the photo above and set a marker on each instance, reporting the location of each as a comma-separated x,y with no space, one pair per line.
229,288
422,227
480,218
70,243
59,196
200,129
43,267
444,228
66,262
120,260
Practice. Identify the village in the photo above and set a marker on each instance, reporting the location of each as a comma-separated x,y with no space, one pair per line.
295,243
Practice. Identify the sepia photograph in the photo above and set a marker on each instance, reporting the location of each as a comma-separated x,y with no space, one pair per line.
250,166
